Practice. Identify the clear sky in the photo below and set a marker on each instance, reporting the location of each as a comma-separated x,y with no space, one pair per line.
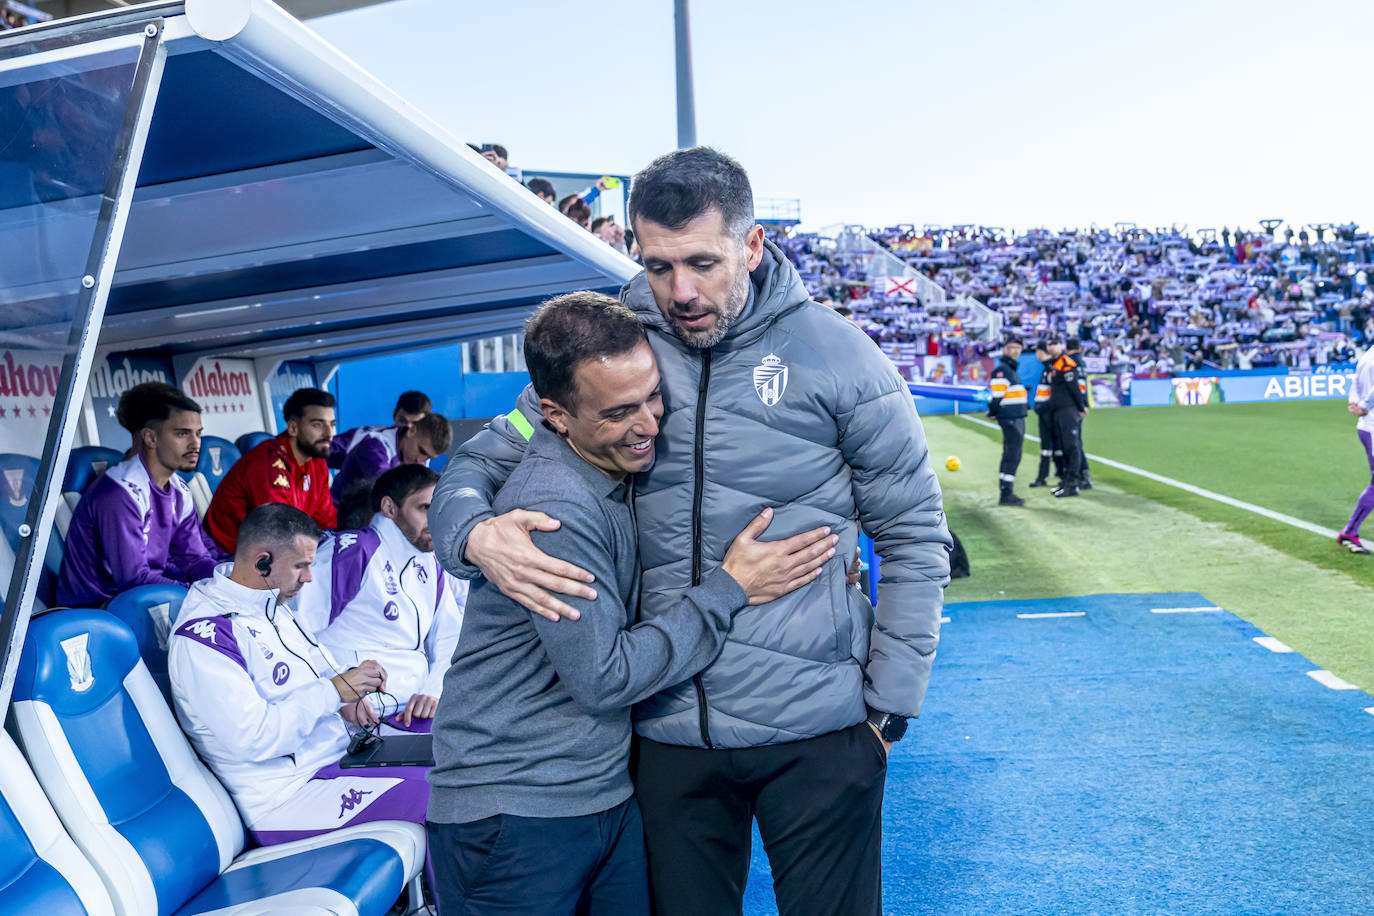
1018,114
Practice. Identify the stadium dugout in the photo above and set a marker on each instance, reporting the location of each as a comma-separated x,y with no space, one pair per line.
207,190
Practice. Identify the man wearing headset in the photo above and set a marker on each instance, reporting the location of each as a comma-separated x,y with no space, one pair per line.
378,592
263,706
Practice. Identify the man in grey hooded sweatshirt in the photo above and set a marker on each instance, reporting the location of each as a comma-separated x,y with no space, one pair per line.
770,401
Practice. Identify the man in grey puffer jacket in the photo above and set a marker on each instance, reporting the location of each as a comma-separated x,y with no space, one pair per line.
769,400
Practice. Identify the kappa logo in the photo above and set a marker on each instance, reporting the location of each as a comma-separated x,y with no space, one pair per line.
15,478
215,467
391,611
350,800
770,380
280,673
281,481
279,464
78,662
204,630
347,540
388,579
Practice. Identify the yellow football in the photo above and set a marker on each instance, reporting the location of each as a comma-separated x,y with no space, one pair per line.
952,463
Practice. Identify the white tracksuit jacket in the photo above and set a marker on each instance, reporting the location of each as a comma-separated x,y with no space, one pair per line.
374,595
253,693
1362,390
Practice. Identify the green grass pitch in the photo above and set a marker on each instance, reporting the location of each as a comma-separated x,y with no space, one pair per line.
1131,534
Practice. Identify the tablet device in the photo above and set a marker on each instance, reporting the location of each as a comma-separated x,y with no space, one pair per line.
393,751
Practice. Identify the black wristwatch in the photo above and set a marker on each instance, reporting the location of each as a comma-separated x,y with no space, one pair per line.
890,727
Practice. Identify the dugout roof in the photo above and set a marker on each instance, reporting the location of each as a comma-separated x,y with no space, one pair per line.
211,178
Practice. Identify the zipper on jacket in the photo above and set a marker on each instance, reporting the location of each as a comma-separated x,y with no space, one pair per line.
699,469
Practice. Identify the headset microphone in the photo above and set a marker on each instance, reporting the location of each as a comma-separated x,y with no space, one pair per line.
264,564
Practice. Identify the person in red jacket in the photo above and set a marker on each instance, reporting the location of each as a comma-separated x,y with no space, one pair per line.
289,469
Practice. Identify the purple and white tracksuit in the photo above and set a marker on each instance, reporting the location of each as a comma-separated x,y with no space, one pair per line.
254,696
1362,393
375,595
127,532
364,453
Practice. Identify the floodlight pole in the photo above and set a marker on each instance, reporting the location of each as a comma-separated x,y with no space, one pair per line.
686,108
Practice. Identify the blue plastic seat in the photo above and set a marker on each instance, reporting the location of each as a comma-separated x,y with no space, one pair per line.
150,611
41,870
17,476
84,467
217,456
249,441
157,826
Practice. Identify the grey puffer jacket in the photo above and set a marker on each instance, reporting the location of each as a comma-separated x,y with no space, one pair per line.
798,410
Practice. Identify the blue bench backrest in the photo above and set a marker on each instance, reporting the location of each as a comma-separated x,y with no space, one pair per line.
217,456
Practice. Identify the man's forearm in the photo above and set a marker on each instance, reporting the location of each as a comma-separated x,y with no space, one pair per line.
606,668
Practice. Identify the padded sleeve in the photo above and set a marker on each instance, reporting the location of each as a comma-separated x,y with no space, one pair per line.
901,508
477,470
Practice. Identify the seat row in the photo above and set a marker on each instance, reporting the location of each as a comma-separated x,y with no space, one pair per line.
108,810
18,474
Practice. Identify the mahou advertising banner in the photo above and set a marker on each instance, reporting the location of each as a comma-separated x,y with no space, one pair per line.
113,376
28,391
227,391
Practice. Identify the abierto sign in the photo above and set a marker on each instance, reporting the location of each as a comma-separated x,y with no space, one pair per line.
1302,387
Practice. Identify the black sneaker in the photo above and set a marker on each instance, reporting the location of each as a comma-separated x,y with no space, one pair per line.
1069,490
1010,499
1040,482
1086,484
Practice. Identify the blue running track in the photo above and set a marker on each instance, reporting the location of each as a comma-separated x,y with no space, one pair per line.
1124,761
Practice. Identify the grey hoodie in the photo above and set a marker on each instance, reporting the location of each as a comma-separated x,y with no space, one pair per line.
795,409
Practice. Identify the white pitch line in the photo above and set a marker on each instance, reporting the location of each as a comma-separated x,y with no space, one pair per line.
1327,679
1272,644
1189,488
1183,610
1046,616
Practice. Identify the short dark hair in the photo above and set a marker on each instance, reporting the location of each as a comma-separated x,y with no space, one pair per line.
151,402
436,428
301,398
601,221
541,186
575,209
678,187
1073,344
273,526
400,482
413,402
571,329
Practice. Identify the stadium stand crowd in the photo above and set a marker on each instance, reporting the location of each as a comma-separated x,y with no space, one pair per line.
1146,302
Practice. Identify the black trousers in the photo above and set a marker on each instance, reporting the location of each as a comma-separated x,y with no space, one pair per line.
819,807
1048,446
1082,454
1013,438
591,865
1066,424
